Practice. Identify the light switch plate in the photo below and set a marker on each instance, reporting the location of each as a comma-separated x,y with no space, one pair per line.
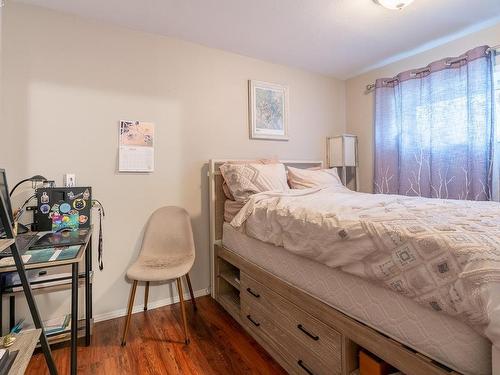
69,180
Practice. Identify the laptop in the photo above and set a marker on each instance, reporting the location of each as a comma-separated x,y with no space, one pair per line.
23,241
34,240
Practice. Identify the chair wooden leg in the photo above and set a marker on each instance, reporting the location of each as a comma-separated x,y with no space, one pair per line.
129,312
191,292
146,296
183,311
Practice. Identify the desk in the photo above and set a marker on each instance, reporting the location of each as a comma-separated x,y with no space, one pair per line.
25,345
84,253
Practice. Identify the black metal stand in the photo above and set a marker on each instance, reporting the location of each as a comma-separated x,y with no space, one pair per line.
74,304
27,290
12,312
74,316
88,291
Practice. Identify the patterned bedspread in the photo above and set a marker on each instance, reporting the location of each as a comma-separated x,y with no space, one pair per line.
444,254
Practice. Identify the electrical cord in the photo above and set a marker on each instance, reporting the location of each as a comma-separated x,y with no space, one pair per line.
96,202
21,209
32,179
100,208
21,228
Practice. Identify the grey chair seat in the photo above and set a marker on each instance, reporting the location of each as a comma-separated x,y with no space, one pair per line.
160,268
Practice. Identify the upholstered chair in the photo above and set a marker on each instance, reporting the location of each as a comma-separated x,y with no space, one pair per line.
167,253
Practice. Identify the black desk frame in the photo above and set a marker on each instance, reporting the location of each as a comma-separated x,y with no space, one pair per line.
74,297
35,314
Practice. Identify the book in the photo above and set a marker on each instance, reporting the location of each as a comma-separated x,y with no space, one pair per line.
18,327
7,360
55,326
4,357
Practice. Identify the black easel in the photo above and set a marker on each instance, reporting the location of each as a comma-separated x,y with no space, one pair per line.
27,289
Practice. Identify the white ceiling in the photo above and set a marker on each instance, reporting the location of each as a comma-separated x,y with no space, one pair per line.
336,37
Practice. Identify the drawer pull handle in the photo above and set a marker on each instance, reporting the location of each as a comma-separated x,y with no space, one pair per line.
314,337
249,317
256,295
304,367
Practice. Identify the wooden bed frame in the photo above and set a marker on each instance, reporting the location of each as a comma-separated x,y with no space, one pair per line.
302,333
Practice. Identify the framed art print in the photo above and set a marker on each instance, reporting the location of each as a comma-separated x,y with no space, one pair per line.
268,111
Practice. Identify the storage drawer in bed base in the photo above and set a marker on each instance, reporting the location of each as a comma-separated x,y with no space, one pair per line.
300,358
351,333
300,334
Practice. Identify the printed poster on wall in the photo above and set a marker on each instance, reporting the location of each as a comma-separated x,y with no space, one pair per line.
136,146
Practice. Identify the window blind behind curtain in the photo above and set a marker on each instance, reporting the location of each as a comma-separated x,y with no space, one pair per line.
435,129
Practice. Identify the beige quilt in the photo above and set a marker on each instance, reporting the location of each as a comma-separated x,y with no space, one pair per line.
444,254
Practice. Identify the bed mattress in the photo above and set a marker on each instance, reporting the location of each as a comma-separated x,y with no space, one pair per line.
438,336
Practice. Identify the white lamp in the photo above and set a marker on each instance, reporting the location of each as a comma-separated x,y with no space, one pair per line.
394,4
342,152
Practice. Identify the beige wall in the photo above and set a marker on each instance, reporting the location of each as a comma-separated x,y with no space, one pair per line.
67,83
359,105
3,151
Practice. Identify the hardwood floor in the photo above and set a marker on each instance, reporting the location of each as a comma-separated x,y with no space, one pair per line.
154,346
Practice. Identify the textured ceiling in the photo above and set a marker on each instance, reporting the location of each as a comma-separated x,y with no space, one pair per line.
335,37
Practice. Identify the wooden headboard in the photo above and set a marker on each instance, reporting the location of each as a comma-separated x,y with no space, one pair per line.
217,198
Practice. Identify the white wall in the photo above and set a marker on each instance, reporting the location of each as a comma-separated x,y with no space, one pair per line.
68,81
3,152
359,105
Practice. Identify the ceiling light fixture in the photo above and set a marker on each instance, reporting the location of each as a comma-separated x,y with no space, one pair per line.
393,4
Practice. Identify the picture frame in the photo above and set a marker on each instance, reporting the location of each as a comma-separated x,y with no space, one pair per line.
268,110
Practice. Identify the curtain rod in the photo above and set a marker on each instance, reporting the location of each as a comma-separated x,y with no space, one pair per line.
371,86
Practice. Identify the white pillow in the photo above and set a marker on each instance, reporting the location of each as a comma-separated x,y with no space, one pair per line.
243,180
308,178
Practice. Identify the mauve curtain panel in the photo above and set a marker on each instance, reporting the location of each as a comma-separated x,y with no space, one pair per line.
434,129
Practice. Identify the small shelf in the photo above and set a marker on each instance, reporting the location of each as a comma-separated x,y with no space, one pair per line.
65,335
232,298
228,272
231,302
59,284
228,287
232,277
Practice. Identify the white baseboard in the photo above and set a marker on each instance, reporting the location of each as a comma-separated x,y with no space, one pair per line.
153,305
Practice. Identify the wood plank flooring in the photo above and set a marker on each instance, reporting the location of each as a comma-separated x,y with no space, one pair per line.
218,346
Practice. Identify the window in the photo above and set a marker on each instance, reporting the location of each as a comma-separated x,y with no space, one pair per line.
433,131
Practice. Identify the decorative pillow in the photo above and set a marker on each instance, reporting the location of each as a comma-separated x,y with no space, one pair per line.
307,178
225,188
227,192
243,180
231,209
